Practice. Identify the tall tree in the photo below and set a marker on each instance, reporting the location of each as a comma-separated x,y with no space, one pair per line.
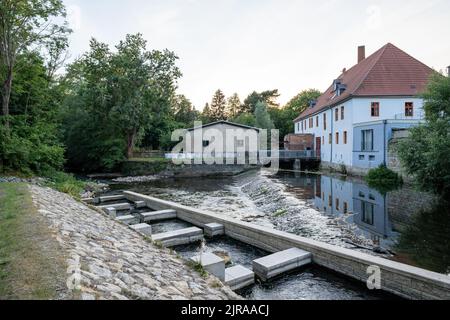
26,24
218,106
183,110
262,117
269,97
301,101
233,106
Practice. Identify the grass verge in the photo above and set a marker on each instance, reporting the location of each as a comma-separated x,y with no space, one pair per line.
31,265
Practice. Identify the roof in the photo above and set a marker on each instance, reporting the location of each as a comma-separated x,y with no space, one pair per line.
224,122
387,72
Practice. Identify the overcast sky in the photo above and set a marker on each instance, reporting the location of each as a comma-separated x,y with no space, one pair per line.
245,45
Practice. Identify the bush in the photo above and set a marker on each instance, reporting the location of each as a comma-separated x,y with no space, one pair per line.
383,179
65,183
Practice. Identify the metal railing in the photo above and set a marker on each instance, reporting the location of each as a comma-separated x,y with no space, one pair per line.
417,115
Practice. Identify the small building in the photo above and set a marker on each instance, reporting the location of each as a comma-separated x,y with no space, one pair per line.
298,142
354,120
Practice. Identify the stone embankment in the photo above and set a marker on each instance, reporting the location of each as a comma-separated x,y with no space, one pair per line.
108,260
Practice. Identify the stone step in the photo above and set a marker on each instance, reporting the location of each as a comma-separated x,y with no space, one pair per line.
215,265
117,206
179,237
143,228
239,277
214,229
140,204
280,262
128,219
88,200
111,198
157,215
110,211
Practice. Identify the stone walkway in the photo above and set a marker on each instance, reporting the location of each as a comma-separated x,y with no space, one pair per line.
108,260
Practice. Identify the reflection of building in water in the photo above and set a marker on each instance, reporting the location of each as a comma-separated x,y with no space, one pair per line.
364,206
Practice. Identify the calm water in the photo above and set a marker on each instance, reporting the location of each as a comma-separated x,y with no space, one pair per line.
400,225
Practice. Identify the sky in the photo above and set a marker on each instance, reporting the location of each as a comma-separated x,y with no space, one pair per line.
255,45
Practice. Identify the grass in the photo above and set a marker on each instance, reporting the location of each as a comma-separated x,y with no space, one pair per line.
65,182
197,266
31,266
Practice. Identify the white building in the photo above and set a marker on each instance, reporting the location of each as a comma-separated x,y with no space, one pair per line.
353,121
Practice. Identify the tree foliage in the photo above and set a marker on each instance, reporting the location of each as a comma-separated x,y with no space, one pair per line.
269,97
425,153
218,107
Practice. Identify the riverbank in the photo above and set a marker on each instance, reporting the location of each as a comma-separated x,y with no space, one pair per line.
99,257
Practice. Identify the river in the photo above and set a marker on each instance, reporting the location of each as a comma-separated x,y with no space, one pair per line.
399,225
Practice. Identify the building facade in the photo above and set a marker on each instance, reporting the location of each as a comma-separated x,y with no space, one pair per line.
353,121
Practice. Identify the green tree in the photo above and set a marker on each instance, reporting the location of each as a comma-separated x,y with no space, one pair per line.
206,114
269,97
183,111
246,119
301,101
218,106
262,117
26,24
425,153
233,106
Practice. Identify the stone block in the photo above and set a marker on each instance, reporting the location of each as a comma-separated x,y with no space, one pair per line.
127,219
280,262
157,215
111,198
214,229
143,228
179,237
239,277
110,211
140,204
118,206
211,263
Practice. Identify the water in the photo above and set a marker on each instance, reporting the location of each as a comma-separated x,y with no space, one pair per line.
331,209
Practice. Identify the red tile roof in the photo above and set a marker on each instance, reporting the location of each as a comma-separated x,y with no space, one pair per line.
388,72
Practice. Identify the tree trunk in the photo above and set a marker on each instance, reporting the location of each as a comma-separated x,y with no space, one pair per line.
130,142
6,94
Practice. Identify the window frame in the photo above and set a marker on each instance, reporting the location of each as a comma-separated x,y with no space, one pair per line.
375,109
345,137
342,112
409,109
364,141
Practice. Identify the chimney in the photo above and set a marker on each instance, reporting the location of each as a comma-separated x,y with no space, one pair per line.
361,53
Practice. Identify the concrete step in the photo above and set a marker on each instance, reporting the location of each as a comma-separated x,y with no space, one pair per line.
111,198
88,200
214,229
143,228
215,265
117,206
157,215
280,262
179,237
239,277
128,219
140,204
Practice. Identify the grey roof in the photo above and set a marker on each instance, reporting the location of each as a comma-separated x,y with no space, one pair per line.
225,122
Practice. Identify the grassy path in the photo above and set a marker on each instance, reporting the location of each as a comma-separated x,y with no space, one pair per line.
31,266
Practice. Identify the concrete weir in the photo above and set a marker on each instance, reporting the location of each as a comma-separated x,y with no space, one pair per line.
117,206
398,278
179,237
157,215
275,264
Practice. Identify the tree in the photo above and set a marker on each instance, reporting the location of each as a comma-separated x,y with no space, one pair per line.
268,96
26,24
233,106
246,119
206,114
301,101
218,106
262,117
425,153
183,110
143,81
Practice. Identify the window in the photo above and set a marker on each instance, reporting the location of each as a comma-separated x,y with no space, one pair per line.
317,121
240,143
302,125
375,109
371,158
330,137
337,137
323,140
367,213
367,140
336,114
205,143
324,121
311,123
323,196
345,137
330,201
345,207
409,109
342,112
337,204
361,157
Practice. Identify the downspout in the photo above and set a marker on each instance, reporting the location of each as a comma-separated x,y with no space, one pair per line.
384,142
332,136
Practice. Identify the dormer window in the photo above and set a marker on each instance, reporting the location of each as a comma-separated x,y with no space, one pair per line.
338,87
312,103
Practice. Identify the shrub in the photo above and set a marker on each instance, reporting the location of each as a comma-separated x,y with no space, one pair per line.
383,179
65,183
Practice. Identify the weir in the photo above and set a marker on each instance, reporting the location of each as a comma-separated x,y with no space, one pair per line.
397,278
